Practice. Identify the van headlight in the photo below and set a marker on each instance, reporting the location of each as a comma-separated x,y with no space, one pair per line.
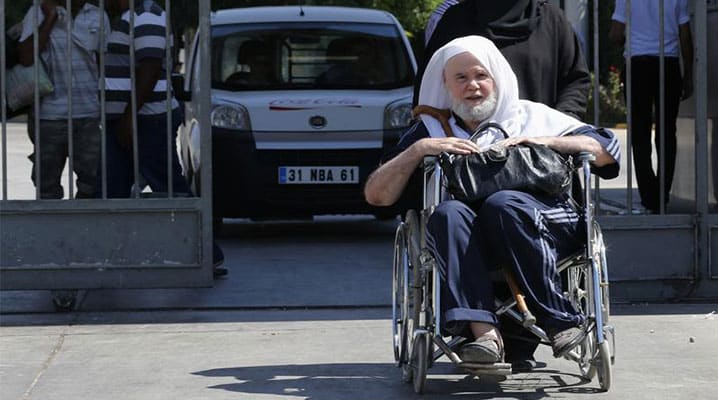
230,117
397,115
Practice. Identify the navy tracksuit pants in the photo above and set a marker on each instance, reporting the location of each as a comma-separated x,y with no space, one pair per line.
524,232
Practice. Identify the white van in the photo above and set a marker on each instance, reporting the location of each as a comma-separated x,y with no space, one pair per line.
304,102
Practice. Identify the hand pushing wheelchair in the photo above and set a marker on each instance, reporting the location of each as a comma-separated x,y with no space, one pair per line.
417,335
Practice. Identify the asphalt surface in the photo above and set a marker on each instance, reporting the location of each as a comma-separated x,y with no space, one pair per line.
307,320
303,314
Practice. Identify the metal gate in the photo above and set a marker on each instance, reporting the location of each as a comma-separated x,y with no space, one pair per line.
669,255
166,241
147,240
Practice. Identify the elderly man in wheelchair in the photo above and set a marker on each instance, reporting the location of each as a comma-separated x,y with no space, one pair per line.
526,234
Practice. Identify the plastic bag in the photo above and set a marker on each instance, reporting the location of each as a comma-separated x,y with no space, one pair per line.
20,85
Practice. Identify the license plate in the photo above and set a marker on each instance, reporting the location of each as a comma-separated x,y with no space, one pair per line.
318,175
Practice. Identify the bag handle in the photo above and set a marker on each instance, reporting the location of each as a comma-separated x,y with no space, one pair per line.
486,126
442,115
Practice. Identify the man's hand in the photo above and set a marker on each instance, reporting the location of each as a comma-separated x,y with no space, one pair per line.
25,48
385,185
49,10
570,144
513,141
436,146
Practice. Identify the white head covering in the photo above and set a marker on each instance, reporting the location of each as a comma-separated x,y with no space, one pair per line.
517,117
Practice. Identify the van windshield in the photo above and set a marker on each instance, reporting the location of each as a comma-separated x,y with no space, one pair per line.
279,56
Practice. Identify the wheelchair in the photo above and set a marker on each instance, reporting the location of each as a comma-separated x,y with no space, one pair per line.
417,336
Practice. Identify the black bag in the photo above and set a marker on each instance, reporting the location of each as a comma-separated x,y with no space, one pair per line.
528,168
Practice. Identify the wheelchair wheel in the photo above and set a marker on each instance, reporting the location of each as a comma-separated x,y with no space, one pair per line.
599,257
399,295
603,366
581,292
412,293
579,287
413,309
420,362
604,356
586,351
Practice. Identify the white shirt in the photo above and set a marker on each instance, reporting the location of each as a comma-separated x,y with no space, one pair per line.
645,25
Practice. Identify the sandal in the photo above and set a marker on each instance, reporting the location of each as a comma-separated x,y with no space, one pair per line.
564,341
486,350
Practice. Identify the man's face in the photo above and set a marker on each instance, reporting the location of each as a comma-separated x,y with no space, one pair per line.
470,86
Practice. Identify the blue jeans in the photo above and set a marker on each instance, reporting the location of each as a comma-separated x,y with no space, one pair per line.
152,148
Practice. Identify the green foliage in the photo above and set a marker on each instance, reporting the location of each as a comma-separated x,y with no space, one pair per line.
412,14
612,107
610,54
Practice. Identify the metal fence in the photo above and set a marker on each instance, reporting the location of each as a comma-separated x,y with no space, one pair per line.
149,239
668,255
164,239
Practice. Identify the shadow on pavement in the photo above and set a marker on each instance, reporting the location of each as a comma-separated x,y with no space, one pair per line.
192,316
319,227
357,381
707,309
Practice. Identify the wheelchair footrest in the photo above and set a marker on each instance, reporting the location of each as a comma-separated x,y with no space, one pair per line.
487,369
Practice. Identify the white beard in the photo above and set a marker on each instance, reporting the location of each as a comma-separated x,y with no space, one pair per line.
478,113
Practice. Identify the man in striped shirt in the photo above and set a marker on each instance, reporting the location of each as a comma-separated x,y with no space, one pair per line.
151,80
152,71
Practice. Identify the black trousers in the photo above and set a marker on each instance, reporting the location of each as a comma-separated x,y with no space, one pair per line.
645,111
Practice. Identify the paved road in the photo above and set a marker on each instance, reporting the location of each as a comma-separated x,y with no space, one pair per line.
303,315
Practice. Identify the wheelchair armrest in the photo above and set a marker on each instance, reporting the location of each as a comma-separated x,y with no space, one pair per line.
430,161
431,181
585,155
581,158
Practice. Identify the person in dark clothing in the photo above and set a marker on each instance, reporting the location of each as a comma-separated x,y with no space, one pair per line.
645,83
536,39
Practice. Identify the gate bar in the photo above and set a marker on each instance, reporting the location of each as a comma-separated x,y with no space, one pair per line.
133,106
629,110
2,102
103,121
661,120
205,105
68,78
169,66
36,106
